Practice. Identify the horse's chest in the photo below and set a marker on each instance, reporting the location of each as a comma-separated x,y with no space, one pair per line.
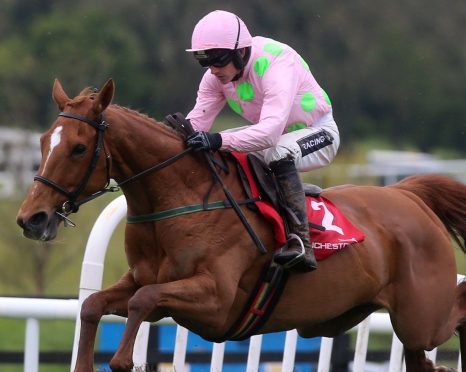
144,275
147,273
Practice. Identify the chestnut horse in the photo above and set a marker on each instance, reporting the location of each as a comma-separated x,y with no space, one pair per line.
201,268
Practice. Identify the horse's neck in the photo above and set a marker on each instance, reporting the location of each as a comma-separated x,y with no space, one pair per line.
136,147
138,143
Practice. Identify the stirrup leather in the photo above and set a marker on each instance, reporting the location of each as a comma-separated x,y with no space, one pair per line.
299,257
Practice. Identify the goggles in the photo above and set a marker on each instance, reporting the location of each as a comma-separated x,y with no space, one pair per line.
214,57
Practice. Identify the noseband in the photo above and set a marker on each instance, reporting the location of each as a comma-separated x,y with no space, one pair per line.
72,204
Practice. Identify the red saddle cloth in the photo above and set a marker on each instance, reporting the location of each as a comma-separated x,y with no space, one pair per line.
339,231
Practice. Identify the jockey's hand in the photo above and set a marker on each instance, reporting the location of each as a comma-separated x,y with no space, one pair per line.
204,141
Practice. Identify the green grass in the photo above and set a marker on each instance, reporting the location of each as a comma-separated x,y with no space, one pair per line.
55,335
58,333
12,334
60,260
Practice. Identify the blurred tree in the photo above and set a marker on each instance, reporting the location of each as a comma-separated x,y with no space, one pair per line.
52,268
392,69
28,256
78,51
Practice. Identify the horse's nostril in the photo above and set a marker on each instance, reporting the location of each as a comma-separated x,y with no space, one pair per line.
20,222
37,220
39,226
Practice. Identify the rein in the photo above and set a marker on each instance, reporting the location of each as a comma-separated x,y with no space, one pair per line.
72,204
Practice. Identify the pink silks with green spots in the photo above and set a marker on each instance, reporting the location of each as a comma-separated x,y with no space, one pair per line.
277,94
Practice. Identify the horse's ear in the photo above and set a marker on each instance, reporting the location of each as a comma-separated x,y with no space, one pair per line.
59,95
104,97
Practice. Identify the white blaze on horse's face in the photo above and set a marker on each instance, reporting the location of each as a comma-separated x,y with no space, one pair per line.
55,139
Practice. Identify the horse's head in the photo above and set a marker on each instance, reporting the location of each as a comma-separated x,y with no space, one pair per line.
73,165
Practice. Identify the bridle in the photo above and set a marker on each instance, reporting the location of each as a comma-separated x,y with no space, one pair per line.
72,204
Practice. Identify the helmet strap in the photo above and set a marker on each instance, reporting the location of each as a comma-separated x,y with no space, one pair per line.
240,62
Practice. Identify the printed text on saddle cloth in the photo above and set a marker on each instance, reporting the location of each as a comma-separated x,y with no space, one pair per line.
339,231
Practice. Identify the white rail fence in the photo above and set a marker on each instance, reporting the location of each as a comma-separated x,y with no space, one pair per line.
33,310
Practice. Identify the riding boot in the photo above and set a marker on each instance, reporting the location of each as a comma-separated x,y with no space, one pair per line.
298,254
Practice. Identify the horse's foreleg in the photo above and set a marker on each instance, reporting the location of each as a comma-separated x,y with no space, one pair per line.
462,335
113,300
194,298
416,361
461,328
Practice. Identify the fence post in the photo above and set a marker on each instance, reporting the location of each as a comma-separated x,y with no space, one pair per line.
179,354
325,354
140,344
289,351
362,340
218,352
94,258
254,353
31,347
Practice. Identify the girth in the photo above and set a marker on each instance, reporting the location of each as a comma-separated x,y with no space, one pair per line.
260,305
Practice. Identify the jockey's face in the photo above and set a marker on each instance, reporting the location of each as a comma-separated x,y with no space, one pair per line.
226,73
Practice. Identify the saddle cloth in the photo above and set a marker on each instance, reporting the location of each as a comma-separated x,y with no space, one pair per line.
339,231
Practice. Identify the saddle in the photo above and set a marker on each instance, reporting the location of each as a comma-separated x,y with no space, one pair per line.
264,179
268,186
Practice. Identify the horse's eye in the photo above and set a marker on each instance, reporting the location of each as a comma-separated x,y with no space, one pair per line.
79,149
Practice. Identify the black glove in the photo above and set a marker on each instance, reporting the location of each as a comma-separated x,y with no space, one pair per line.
204,141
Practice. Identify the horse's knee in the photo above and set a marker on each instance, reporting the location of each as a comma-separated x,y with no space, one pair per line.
141,303
91,309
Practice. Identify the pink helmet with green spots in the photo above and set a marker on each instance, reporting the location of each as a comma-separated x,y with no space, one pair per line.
220,30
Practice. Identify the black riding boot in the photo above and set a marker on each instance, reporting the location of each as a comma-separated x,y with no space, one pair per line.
298,254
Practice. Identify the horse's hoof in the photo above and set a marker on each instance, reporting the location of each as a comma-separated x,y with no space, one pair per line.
121,366
444,369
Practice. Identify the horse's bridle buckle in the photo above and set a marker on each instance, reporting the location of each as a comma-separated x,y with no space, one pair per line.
66,209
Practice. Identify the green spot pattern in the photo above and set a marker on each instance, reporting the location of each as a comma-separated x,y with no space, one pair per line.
308,102
296,126
245,91
235,106
327,98
261,65
273,48
304,63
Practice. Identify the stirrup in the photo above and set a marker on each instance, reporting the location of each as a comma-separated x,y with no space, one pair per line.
299,257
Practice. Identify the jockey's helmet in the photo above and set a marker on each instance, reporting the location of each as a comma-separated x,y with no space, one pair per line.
217,37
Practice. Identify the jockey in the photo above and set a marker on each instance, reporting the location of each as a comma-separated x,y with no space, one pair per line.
271,86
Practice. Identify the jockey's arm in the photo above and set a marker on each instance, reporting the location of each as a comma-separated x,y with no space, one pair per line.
280,86
209,102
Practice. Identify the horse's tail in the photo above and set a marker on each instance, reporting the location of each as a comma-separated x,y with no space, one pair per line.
447,199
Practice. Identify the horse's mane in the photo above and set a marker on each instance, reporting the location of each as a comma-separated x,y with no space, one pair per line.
138,113
91,92
144,117
165,124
